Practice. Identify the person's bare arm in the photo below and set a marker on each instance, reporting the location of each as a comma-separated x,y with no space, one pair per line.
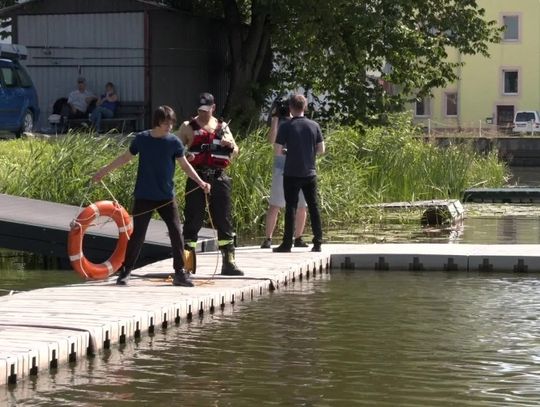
278,149
191,173
320,148
185,134
272,133
116,163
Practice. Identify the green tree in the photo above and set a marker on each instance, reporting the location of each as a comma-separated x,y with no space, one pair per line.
5,24
346,50
349,49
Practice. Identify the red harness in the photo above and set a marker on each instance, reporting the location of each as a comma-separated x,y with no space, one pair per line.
207,148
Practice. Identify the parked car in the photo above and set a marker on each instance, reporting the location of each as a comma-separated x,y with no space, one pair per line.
526,121
19,108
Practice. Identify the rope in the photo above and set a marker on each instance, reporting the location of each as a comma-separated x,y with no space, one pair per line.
165,204
85,198
109,191
76,221
10,292
207,281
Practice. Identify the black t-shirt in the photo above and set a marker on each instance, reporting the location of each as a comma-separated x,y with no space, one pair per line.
300,136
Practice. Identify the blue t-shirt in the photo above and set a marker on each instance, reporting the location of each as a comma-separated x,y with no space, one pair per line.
300,135
108,105
157,157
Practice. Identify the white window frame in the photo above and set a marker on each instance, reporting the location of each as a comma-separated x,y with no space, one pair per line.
504,71
427,107
519,21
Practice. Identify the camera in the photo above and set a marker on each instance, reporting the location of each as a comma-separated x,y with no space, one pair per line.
280,107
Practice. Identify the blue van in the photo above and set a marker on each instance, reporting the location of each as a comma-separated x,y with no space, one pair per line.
19,108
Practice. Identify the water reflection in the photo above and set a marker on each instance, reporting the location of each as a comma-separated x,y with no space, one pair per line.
21,271
483,224
369,338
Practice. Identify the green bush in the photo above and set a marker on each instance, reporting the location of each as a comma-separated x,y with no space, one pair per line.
361,167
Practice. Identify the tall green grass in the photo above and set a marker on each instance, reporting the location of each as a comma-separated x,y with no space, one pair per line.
60,170
361,167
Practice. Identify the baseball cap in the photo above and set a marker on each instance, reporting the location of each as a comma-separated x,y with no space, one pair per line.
206,101
81,79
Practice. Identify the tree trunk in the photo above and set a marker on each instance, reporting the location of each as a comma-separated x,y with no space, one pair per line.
248,47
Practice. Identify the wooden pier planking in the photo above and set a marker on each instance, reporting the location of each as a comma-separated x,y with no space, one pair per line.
48,327
42,227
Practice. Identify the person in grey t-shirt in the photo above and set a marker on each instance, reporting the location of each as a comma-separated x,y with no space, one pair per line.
303,139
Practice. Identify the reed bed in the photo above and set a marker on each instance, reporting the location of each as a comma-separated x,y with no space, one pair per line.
360,168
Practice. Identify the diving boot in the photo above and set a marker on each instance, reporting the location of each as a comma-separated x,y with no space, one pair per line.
181,278
123,276
190,259
229,267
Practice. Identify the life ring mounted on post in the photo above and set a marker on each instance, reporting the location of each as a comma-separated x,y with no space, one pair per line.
88,215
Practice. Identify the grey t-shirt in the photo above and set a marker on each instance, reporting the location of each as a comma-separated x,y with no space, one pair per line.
300,136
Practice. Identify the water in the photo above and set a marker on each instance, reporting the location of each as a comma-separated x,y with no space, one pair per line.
363,338
23,271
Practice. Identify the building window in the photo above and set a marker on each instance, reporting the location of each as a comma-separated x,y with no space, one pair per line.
510,82
511,28
423,107
451,104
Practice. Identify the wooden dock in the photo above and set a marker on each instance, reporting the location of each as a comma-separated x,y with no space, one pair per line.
48,328
41,227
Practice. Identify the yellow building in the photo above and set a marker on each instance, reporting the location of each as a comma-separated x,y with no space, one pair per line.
490,90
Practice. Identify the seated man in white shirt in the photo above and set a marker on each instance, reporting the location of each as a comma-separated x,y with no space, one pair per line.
79,100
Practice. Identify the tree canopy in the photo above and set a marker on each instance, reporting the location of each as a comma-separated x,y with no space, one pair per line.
347,50
344,52
5,25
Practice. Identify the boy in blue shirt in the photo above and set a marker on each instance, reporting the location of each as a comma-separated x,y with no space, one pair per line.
158,150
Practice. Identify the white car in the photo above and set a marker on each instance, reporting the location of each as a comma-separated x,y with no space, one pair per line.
526,121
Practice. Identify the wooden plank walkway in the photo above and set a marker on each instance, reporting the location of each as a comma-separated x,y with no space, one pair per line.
41,227
46,328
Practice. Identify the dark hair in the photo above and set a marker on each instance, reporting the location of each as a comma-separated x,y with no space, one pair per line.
297,102
163,114
109,84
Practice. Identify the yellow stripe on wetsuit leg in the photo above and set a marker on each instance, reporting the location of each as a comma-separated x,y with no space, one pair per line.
222,243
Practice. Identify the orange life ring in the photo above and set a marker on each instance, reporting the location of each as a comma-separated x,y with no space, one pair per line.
88,215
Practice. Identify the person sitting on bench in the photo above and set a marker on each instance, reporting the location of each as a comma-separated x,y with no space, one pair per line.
105,106
78,101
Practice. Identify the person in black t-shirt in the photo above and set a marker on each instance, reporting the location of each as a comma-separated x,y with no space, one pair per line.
303,140
158,151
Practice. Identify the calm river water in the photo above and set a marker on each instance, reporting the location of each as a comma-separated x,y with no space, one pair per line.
369,338
346,339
